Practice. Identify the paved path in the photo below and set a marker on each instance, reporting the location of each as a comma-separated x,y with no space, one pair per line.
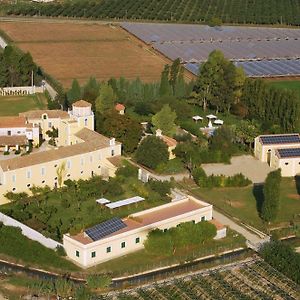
52,92
249,166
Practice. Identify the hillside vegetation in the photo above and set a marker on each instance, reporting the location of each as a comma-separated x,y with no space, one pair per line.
200,11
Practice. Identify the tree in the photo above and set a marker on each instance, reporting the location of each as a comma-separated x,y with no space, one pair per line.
106,99
180,87
165,120
74,93
151,152
246,132
165,87
271,192
159,243
122,127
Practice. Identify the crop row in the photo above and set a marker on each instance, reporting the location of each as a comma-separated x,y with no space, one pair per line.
230,11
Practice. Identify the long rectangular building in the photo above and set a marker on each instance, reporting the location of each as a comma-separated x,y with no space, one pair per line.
116,237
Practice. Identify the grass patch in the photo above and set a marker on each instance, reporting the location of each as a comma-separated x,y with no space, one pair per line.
18,248
141,260
242,203
293,85
13,105
172,166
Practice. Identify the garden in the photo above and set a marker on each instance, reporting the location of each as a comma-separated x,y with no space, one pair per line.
73,207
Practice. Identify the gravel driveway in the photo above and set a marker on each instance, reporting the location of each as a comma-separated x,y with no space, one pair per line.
249,166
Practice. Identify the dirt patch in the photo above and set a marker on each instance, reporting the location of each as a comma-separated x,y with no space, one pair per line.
294,196
67,51
236,204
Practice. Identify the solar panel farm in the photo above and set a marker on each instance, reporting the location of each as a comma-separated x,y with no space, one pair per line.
267,52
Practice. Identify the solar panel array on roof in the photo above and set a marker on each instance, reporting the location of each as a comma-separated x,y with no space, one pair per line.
289,152
105,228
280,139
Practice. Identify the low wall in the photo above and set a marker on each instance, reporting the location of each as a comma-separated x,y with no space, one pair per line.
21,90
29,232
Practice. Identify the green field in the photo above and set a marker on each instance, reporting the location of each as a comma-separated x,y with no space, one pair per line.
287,84
241,203
13,105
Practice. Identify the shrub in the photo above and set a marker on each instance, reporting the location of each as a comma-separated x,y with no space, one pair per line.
161,187
6,153
98,281
60,250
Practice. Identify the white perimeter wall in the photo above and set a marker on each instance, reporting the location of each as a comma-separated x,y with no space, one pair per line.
29,232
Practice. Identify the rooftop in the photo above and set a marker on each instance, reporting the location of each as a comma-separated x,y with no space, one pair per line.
275,139
81,103
288,152
52,114
93,141
12,122
13,140
119,107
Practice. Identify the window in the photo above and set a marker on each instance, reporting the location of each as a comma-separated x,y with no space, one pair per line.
14,189
68,175
14,178
202,218
49,124
44,117
85,122
28,185
28,174
108,249
9,132
93,254
123,244
194,221
112,152
81,172
43,181
137,240
43,171
286,163
69,164
77,253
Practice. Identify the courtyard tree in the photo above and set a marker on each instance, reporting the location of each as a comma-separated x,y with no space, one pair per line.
151,152
271,192
165,120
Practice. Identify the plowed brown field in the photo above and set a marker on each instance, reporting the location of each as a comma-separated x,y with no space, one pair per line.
67,51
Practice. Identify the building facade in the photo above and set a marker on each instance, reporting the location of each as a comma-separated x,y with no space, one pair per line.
88,251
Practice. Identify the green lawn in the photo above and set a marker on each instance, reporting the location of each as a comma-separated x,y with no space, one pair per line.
173,166
241,203
16,247
13,105
141,260
287,84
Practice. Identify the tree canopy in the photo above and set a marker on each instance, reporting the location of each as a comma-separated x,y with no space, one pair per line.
165,120
106,99
151,152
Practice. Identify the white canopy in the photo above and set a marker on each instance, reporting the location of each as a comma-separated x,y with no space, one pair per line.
197,118
211,117
219,122
102,201
128,201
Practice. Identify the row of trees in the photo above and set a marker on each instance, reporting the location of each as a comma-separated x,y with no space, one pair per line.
188,234
232,11
17,68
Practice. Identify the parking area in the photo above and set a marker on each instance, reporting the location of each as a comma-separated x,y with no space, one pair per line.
249,166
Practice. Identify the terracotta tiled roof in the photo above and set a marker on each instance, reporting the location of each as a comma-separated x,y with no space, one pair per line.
52,114
81,103
13,140
94,141
119,107
12,122
116,160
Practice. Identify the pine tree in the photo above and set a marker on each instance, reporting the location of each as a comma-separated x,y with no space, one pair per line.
74,93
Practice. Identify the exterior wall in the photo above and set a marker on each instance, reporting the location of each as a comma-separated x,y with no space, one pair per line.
85,258
45,124
30,133
289,166
21,90
81,166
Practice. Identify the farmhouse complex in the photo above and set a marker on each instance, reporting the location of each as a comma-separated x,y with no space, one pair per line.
279,151
118,237
80,152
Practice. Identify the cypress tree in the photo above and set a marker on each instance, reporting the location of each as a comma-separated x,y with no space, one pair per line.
165,87
74,93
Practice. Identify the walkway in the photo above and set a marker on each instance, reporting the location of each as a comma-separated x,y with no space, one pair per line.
249,166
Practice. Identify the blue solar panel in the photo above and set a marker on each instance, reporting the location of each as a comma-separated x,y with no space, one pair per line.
280,139
289,152
105,228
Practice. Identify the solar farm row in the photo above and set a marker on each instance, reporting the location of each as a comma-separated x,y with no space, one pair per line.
264,52
261,68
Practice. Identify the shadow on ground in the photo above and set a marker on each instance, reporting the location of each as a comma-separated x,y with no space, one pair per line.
258,193
297,180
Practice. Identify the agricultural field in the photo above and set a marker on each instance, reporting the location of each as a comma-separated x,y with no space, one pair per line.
13,105
293,85
199,11
67,51
251,280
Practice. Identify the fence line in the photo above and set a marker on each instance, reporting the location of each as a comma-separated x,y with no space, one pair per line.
21,90
29,232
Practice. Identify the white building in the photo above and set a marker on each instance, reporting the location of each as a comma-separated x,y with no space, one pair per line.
116,237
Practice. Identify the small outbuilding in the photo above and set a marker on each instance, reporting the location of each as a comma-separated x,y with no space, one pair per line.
120,108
